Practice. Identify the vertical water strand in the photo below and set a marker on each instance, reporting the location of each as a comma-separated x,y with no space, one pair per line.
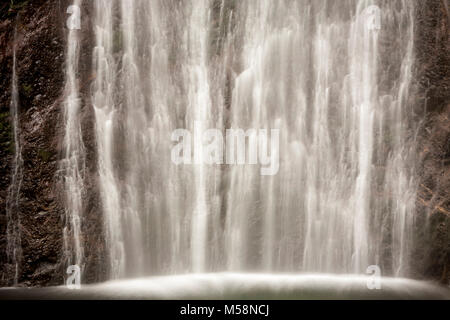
136,134
265,118
400,182
244,115
294,115
363,52
164,201
107,41
13,228
221,60
198,109
159,219
319,181
73,162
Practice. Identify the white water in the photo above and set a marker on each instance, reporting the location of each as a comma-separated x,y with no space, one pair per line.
312,69
338,91
13,228
105,113
232,286
72,165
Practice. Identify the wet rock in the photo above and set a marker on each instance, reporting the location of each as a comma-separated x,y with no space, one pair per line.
432,237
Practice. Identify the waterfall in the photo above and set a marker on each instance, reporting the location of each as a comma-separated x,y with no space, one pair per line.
334,77
13,228
313,69
72,165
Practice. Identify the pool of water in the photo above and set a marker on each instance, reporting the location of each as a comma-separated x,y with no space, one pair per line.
230,286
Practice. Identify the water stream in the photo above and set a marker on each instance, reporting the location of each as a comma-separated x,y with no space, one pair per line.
72,165
13,227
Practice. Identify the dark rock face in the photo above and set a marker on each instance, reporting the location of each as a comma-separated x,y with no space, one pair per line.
41,47
41,43
432,256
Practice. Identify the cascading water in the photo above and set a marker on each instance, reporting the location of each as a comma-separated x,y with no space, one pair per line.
72,166
336,87
106,113
13,228
313,70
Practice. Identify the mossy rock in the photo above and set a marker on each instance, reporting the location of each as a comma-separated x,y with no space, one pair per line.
11,9
17,5
45,155
27,89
